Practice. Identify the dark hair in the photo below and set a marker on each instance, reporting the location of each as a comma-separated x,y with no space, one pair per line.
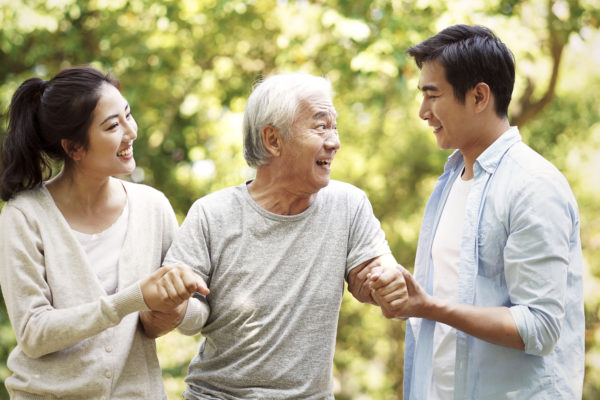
471,54
41,114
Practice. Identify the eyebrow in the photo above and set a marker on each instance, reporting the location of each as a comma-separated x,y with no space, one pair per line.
113,116
430,88
324,114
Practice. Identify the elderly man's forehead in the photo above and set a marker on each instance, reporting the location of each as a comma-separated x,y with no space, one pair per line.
318,107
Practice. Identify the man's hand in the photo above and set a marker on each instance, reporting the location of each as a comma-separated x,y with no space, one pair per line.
157,323
358,284
403,300
170,286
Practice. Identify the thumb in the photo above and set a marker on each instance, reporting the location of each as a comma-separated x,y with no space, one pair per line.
202,287
411,284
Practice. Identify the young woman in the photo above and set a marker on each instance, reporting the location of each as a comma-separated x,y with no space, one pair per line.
79,254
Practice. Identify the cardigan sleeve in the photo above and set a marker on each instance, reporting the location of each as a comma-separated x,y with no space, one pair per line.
39,327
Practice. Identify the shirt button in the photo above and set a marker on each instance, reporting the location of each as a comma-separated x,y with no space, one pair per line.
108,349
108,374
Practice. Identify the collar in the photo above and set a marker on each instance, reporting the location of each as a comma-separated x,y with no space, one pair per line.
490,158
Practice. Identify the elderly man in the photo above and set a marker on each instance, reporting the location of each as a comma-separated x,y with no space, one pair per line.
275,252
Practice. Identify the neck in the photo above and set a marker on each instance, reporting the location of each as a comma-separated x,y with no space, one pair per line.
275,196
486,136
81,192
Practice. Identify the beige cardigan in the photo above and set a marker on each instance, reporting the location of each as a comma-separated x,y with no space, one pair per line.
74,341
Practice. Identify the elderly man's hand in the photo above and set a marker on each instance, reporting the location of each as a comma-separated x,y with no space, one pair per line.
358,284
170,286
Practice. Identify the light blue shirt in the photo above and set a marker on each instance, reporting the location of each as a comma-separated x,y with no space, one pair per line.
520,249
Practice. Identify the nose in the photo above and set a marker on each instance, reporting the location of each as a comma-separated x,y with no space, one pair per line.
424,112
130,129
332,142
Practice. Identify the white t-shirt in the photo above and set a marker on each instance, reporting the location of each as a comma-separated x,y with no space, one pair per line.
103,250
446,258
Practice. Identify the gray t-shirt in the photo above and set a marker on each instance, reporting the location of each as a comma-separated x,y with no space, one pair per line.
276,285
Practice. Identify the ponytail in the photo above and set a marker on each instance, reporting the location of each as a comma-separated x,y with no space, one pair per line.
23,164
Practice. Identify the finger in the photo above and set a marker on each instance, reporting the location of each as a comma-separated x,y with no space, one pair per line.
362,273
387,277
174,284
202,287
192,281
375,274
159,273
378,299
189,279
392,295
394,298
397,285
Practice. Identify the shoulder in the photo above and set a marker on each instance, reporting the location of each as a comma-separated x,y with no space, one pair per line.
341,189
30,208
221,198
146,197
338,194
531,181
529,170
28,200
138,191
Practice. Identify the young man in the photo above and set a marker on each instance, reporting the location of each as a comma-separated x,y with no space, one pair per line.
497,294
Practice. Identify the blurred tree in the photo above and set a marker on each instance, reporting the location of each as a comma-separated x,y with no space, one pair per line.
187,67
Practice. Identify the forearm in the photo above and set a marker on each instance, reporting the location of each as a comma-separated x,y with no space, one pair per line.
45,330
492,324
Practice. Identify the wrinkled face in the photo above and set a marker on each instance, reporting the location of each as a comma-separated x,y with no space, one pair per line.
111,135
440,108
313,143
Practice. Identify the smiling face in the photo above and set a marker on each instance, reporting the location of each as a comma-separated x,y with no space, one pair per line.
111,135
451,120
308,153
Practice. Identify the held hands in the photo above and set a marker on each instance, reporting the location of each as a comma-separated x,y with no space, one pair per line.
170,286
158,323
403,299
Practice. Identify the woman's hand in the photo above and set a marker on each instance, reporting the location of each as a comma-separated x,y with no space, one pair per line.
170,286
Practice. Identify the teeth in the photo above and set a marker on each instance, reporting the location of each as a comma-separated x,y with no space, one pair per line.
323,162
125,152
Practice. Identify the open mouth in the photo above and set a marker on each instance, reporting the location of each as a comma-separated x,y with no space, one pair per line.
324,163
126,152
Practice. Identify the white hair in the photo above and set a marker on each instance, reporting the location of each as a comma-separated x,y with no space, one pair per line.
275,102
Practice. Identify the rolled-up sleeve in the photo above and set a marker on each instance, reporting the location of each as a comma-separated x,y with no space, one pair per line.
537,260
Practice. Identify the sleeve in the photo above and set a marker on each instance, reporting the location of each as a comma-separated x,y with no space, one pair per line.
366,238
190,248
40,328
195,317
536,256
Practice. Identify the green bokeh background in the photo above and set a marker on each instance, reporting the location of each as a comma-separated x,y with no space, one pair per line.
187,67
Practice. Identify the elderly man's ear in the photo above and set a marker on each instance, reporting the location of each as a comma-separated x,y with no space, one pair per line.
272,139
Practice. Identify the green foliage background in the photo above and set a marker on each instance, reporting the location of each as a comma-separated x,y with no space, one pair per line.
187,67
